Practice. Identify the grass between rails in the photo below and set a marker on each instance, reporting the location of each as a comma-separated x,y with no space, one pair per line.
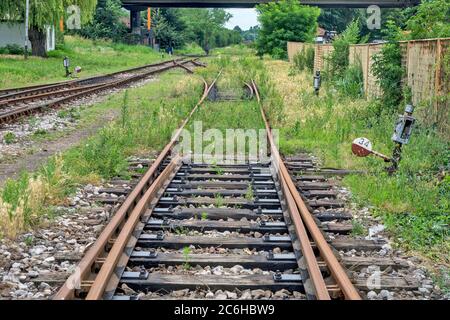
94,57
238,115
415,202
148,116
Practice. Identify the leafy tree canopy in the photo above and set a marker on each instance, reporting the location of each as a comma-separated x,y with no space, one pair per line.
284,21
250,34
106,22
338,19
45,12
432,20
203,24
165,29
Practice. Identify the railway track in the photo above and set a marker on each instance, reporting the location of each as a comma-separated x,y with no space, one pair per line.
241,230
19,102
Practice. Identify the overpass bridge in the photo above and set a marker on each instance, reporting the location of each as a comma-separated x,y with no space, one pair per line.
143,4
135,6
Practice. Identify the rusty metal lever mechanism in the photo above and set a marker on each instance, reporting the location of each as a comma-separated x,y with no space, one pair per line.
316,83
362,147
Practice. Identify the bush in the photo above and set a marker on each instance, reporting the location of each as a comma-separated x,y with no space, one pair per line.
284,21
11,49
338,60
352,82
106,23
387,67
304,59
9,137
278,53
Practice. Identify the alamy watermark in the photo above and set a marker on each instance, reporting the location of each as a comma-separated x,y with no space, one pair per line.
373,20
73,21
224,146
373,282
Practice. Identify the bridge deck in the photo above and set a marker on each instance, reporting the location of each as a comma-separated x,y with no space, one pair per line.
142,4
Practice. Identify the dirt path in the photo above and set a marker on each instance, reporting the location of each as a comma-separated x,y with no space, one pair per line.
46,149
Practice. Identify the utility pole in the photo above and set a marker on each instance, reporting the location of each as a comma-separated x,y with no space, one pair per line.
27,9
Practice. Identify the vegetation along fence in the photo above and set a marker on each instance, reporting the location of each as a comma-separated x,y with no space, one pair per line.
426,64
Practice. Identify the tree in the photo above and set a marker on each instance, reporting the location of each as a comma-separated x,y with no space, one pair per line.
106,22
173,16
250,34
43,13
165,32
237,28
338,19
203,25
284,21
432,20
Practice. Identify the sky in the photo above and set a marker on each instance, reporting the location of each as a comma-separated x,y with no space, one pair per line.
244,18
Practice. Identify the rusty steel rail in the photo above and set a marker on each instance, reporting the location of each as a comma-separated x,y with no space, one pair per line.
38,96
103,277
77,93
301,218
92,264
18,98
11,93
28,90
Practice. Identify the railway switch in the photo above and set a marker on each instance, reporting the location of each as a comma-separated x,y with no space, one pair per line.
402,133
317,81
362,147
403,126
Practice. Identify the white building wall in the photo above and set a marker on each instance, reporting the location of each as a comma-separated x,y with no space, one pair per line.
51,38
14,33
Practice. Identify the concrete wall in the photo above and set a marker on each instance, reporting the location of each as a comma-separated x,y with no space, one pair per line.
14,33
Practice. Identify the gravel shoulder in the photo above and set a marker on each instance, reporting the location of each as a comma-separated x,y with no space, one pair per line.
35,139
40,151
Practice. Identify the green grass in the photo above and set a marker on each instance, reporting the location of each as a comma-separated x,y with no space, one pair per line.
186,257
358,228
9,137
148,116
148,126
218,200
153,112
94,57
249,194
191,48
223,115
72,113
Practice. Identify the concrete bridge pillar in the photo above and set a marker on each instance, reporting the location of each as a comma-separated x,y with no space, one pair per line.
135,21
